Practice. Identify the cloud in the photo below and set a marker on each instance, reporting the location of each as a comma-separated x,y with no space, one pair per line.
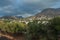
25,15
6,9
26,7
31,1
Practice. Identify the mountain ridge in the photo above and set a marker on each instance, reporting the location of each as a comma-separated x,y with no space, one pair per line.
11,17
49,12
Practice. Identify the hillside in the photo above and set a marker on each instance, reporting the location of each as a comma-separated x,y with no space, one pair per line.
49,12
46,13
11,17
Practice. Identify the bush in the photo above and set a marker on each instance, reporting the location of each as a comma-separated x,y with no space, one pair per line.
12,27
34,30
53,28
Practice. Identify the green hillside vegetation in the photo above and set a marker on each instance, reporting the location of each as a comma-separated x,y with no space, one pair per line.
12,27
34,30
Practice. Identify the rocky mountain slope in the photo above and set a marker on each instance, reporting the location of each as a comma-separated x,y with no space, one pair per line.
46,13
49,12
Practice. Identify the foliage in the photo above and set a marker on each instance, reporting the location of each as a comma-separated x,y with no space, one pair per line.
55,23
53,28
12,27
34,30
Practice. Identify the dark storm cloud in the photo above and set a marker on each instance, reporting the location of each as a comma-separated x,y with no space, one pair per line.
26,7
4,3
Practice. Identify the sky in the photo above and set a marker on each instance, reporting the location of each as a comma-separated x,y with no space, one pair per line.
26,8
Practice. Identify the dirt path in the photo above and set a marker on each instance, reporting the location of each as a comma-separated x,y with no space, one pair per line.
11,37
7,36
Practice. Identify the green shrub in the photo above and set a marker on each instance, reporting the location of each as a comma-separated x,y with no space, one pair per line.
12,27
